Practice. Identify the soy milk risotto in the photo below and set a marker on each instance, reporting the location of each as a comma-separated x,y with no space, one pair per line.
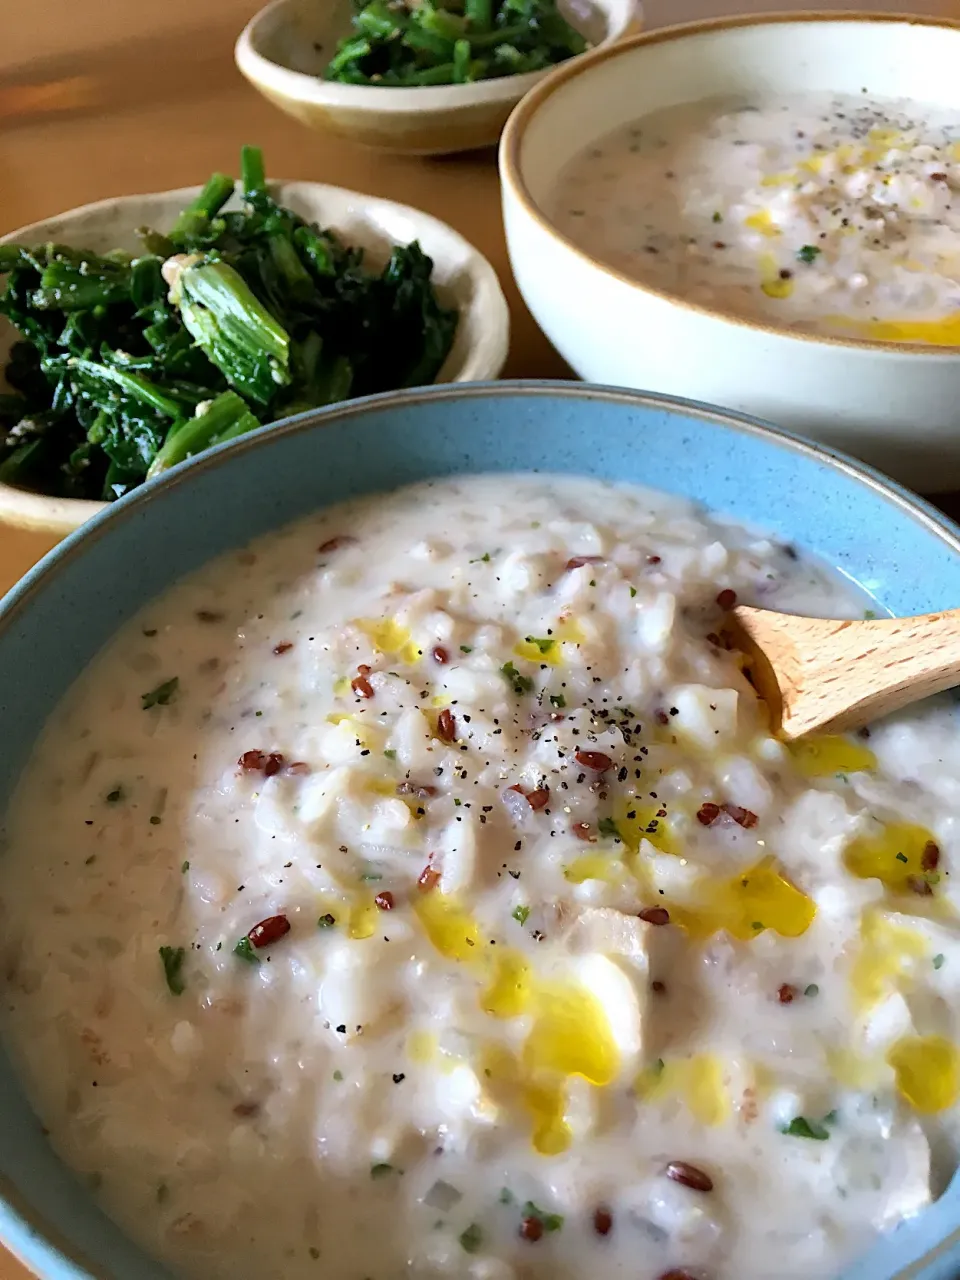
419,891
837,214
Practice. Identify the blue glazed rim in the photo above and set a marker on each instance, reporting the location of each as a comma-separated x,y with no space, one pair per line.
24,1232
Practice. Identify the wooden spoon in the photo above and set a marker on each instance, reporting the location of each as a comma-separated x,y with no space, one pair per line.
836,675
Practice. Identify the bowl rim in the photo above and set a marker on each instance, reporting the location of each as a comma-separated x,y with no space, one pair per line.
24,1230
298,86
512,179
28,509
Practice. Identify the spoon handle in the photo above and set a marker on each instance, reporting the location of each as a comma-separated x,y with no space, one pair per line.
838,675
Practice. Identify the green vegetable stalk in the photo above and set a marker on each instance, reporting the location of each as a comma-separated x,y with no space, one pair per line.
220,420
237,333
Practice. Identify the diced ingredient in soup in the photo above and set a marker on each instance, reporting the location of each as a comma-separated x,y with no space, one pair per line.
432,899
835,214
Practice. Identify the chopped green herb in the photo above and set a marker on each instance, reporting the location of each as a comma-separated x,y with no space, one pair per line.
484,559
633,592
88,861
114,796
520,914
812,990
557,700
609,828
172,959
830,1117
371,875
184,867
506,1196
808,253
338,1076
543,643
800,1127
466,648
938,961
471,1239
162,695
244,949
757,924
378,1171
901,857
521,684
658,1066
314,1252
390,753
457,801
155,820
327,921
549,1221
869,615
717,216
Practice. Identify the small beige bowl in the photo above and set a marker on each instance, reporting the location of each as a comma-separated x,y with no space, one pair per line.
285,48
465,279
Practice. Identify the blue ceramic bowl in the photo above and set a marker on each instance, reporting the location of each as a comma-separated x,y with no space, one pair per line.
900,551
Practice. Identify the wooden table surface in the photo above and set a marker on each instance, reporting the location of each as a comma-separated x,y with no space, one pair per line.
101,97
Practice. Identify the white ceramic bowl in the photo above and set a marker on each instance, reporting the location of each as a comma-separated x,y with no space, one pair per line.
894,405
284,49
465,279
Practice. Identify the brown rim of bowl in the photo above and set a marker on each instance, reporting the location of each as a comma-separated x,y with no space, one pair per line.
585,64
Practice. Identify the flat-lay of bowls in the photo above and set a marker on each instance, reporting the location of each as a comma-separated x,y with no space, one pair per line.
895,405
284,49
903,552
464,278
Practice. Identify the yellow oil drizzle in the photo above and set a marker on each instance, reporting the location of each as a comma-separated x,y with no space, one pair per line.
370,736
822,754
362,920
510,989
927,1070
422,1046
390,638
697,1081
451,930
756,899
944,332
773,284
570,1034
549,649
762,222
893,856
854,1070
594,866
644,825
885,958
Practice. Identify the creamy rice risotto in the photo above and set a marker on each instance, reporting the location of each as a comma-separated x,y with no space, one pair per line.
419,892
836,214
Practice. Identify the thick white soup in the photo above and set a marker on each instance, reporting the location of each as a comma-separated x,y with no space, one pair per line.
420,892
835,214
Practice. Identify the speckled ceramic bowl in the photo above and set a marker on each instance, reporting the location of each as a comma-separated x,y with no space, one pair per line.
285,48
896,405
902,552
465,279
